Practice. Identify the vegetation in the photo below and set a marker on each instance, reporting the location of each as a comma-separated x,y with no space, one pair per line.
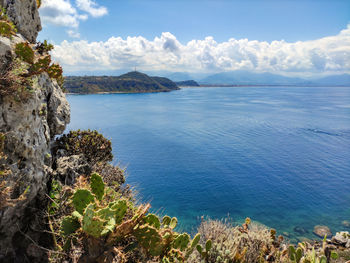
7,28
132,82
26,64
189,83
92,144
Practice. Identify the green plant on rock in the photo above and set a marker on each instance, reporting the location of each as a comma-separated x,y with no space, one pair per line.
105,224
306,255
44,47
91,144
38,3
7,28
25,52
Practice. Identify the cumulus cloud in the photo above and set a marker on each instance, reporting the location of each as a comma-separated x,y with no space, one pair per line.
325,55
64,13
60,12
73,34
92,8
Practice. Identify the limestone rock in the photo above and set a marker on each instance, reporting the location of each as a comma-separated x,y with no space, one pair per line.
71,167
24,14
29,126
321,231
341,238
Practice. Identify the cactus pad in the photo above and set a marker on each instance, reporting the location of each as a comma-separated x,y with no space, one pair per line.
166,220
92,224
173,223
69,225
181,242
81,198
152,220
195,240
149,238
97,186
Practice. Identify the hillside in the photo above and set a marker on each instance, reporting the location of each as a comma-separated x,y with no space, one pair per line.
188,83
132,82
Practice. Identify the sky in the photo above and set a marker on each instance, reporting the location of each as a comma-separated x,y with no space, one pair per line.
289,37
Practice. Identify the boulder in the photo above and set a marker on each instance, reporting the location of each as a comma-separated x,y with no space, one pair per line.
341,238
321,231
69,168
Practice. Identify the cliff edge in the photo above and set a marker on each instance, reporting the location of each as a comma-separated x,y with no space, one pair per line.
29,120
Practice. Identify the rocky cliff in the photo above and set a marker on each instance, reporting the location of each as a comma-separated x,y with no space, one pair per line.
28,124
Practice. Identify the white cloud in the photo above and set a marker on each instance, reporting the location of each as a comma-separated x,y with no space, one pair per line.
92,8
59,12
63,13
325,55
73,34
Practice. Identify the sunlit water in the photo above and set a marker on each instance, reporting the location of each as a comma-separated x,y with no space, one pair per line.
280,155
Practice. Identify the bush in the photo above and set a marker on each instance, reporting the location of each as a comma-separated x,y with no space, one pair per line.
91,144
247,243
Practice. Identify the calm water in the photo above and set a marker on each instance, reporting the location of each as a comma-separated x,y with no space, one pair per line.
280,155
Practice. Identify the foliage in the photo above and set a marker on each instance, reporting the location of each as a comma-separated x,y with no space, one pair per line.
305,253
38,3
247,243
7,28
91,144
106,223
25,52
44,47
132,82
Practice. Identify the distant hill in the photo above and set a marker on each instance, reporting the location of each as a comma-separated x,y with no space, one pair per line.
335,80
179,76
132,82
188,83
241,77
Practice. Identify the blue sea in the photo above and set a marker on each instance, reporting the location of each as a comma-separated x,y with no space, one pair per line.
279,155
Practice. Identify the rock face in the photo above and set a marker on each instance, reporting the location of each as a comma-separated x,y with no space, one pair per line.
321,231
342,239
29,126
24,14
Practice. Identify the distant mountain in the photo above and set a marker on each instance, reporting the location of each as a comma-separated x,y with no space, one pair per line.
132,82
179,76
188,83
240,77
334,80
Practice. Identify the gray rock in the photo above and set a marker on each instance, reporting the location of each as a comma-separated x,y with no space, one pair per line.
341,238
24,14
346,223
29,126
71,167
321,231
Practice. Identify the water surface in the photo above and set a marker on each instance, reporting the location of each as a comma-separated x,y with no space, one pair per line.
280,155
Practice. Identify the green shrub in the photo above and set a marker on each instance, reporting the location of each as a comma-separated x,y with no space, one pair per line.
91,144
7,28
25,52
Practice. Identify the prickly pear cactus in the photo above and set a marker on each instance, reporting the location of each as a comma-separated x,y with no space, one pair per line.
97,186
181,241
69,225
81,198
149,238
91,223
152,220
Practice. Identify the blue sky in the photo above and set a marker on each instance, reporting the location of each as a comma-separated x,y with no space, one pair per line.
85,23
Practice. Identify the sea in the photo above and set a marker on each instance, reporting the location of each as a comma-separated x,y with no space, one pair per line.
279,155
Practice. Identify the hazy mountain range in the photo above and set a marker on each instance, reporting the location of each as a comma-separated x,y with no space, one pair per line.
238,77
